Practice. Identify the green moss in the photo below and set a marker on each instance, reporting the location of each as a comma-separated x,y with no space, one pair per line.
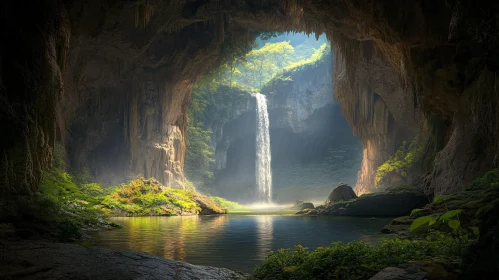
475,201
143,197
489,181
61,207
355,260
228,205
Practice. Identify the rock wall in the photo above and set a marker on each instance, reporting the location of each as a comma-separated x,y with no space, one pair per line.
311,143
441,57
377,107
129,131
31,89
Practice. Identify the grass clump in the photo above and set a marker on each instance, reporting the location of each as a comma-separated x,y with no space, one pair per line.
228,205
355,260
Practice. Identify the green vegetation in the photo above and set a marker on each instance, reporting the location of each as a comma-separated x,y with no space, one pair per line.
451,218
143,197
253,70
217,97
228,205
461,211
402,163
63,207
440,233
317,56
356,260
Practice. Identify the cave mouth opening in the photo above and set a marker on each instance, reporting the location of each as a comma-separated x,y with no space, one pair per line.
312,146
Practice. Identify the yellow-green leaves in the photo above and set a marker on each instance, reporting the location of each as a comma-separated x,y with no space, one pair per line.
421,221
454,224
450,214
448,217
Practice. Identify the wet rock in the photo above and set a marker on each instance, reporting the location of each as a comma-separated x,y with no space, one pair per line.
393,202
43,260
394,273
341,193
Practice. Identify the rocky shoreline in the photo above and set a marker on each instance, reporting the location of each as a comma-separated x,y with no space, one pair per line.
28,259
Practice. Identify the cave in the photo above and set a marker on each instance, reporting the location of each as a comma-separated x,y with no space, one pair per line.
101,89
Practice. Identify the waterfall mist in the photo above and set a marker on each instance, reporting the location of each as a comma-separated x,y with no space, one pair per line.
263,158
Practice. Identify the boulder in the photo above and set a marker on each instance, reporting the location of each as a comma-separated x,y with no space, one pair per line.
301,205
391,203
341,193
208,206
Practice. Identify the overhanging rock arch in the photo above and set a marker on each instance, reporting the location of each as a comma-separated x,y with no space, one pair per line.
117,75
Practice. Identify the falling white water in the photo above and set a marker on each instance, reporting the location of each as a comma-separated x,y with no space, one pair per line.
263,171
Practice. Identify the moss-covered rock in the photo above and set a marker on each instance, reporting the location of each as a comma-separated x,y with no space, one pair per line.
147,197
476,202
341,193
392,202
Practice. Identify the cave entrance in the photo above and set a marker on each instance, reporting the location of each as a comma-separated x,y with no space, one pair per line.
312,146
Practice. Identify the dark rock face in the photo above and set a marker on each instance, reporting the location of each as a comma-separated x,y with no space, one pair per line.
389,203
388,70
481,260
41,260
340,193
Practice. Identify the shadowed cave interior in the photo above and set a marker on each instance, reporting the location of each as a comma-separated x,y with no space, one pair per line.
158,127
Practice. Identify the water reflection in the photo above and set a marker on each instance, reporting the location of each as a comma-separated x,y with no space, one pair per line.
265,235
234,241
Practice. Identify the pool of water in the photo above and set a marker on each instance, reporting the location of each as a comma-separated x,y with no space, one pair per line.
234,241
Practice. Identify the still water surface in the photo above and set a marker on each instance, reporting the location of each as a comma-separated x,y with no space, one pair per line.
234,241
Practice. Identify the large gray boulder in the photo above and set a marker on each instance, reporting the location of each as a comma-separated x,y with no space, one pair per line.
394,202
342,192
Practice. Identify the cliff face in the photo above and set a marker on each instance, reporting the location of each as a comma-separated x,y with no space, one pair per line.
134,129
420,59
311,143
377,107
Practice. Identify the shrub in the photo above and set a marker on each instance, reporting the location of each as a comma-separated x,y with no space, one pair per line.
355,260
92,189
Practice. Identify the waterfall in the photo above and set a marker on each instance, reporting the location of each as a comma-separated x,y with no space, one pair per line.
263,171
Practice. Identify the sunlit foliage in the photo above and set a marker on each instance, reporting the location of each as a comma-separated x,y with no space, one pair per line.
217,96
227,204
148,198
404,159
